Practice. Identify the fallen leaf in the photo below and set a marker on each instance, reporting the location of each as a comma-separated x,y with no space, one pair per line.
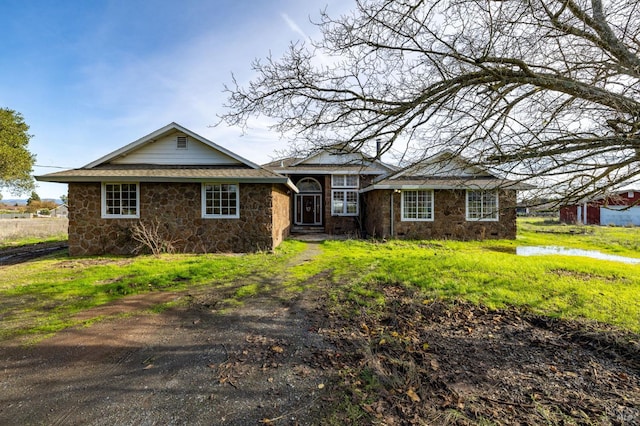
413,395
277,349
321,386
434,364
382,341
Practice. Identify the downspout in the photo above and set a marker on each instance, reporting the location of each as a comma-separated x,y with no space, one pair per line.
391,218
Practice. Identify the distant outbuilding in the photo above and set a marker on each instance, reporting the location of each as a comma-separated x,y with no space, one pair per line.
620,208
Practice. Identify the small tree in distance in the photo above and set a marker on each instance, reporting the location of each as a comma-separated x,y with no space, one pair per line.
16,161
542,90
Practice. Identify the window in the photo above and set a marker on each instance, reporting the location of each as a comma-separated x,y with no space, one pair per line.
482,205
344,202
120,200
344,181
417,205
309,185
220,200
181,142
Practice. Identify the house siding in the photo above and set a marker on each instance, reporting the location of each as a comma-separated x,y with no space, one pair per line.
449,218
177,208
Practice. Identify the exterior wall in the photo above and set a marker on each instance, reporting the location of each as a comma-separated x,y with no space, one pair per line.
575,214
176,208
344,224
377,213
281,205
449,218
336,224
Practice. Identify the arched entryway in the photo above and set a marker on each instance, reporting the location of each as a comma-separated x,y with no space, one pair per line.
308,203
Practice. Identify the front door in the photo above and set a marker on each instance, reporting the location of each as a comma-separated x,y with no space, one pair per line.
308,209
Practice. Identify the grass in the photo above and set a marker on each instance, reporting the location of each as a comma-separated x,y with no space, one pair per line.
27,241
489,273
41,297
623,241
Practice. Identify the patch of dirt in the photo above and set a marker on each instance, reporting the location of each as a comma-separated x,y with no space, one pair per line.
429,362
14,255
277,360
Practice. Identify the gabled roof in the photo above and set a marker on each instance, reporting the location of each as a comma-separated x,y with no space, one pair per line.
166,130
445,170
140,161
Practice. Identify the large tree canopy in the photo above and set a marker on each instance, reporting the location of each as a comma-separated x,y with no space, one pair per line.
531,88
16,161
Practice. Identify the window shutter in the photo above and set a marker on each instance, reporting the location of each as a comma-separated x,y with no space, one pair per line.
181,142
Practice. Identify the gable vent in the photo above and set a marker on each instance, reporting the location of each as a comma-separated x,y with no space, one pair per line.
181,142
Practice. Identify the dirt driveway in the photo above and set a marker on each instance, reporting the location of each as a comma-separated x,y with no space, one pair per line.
189,365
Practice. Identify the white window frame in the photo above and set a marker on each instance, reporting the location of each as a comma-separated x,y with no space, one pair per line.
206,215
342,181
403,206
344,193
105,210
482,216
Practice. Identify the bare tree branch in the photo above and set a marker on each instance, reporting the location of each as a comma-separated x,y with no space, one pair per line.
547,90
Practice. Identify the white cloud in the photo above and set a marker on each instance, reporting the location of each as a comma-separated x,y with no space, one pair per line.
294,27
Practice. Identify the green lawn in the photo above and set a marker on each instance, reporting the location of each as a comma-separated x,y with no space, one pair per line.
41,297
489,272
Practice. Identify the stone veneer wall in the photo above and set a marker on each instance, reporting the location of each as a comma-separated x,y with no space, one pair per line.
377,218
177,208
449,218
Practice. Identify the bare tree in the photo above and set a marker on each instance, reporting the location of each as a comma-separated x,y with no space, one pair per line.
542,89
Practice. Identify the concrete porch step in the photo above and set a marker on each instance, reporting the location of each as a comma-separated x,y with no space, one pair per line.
302,229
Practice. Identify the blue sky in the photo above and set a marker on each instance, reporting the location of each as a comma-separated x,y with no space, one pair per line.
91,76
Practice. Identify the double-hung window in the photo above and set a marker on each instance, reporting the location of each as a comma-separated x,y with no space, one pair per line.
417,205
482,205
221,200
120,200
344,195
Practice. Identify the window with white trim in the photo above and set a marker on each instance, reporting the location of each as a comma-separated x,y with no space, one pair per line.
220,200
344,202
482,205
344,181
120,200
417,205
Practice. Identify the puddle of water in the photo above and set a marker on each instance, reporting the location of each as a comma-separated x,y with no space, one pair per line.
546,250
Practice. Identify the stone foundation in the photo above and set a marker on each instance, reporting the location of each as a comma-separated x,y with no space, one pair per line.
449,218
175,210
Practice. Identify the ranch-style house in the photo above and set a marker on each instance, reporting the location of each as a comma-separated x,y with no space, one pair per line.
201,197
